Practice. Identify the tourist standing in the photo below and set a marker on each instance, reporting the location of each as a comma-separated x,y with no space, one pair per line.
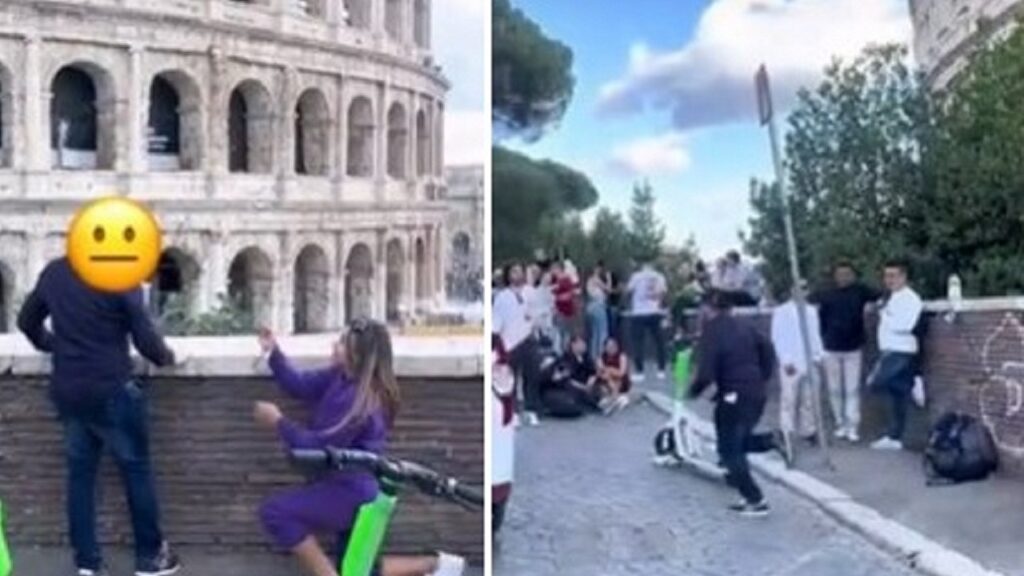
796,406
647,288
898,346
512,330
841,309
100,404
597,309
566,290
541,303
738,360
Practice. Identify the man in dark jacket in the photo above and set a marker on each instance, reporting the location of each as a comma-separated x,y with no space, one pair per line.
100,404
739,361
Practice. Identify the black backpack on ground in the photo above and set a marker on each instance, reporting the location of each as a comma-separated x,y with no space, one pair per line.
960,449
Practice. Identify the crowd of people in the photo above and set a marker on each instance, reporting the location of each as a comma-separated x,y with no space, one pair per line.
536,315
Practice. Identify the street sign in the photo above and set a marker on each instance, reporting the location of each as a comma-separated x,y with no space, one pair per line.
764,95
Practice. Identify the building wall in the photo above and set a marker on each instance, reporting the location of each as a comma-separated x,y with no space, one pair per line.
946,31
466,203
279,54
214,465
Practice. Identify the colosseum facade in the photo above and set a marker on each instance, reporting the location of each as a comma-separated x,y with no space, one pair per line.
947,31
291,149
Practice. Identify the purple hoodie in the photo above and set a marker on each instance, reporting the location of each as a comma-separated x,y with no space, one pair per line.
329,395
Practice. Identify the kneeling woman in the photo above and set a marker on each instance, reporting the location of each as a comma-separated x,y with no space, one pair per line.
353,403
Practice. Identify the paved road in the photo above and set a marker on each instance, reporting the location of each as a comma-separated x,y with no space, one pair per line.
588,501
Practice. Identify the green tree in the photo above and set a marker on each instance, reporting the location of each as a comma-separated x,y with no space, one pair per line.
532,80
528,196
610,240
976,217
856,153
647,234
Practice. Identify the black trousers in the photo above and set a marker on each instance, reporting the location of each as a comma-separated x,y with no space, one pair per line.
641,326
734,428
524,360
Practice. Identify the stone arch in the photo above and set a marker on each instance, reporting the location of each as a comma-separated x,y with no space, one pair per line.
421,24
312,293
358,13
421,269
175,125
398,141
251,285
462,270
177,276
359,282
393,18
312,126
7,120
360,137
422,144
6,298
395,259
83,117
250,129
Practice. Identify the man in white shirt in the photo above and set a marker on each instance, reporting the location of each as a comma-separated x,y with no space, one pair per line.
794,373
647,288
898,347
512,330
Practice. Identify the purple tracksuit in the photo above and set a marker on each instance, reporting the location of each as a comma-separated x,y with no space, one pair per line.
329,504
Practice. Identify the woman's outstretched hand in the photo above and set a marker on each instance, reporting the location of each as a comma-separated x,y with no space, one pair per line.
267,340
267,414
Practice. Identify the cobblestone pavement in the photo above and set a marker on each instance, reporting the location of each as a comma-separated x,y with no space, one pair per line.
587,500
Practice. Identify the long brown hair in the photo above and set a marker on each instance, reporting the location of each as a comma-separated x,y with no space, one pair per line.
370,362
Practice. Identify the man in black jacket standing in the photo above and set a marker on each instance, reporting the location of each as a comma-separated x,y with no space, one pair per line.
100,404
739,361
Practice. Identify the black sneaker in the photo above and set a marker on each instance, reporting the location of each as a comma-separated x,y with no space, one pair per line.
749,510
783,444
164,564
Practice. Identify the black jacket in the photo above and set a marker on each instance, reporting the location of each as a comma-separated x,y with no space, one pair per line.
89,340
841,311
734,356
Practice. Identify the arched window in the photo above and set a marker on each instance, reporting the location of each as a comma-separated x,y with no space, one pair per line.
312,295
6,117
175,123
397,141
357,13
250,129
393,18
251,285
311,131
177,278
421,270
395,284
359,282
360,138
82,118
6,298
422,144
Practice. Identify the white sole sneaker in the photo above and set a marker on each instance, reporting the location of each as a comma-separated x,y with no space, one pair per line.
449,565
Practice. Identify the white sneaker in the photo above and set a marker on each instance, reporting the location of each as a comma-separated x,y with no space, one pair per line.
531,419
852,436
661,375
637,377
840,433
449,565
886,443
622,402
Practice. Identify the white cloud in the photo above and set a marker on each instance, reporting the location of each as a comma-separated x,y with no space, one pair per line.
660,155
467,137
710,80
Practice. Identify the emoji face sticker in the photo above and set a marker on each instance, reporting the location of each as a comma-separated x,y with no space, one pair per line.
114,244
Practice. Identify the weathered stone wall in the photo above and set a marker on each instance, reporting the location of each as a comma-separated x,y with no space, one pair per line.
214,465
290,65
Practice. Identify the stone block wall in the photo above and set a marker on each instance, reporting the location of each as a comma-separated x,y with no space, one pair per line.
214,465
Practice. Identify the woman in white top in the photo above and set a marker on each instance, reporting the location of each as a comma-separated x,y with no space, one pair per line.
540,301
597,309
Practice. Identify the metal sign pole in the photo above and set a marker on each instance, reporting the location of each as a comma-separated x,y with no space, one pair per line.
764,99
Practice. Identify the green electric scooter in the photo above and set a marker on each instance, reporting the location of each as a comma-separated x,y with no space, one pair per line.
359,548
5,554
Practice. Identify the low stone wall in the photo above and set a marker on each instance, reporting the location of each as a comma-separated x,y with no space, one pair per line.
973,363
214,465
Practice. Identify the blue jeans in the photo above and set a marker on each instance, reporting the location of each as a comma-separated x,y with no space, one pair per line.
597,319
121,426
895,377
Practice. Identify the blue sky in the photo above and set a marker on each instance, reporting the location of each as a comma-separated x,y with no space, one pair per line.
459,41
664,91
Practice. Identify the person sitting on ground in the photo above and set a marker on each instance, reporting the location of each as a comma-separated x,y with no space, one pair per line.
353,404
613,372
